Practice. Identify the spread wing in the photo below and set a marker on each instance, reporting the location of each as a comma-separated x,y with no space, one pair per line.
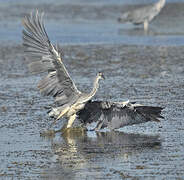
117,115
47,58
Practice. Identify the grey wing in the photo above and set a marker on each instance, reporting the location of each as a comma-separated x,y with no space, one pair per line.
57,83
116,115
139,15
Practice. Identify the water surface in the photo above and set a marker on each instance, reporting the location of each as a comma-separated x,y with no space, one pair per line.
147,68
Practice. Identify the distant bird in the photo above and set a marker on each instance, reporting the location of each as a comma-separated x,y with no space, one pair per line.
69,101
143,15
58,82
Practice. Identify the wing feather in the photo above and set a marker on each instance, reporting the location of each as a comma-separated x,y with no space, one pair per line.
48,59
117,115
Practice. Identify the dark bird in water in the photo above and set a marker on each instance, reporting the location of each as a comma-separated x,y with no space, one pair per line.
113,115
143,15
69,101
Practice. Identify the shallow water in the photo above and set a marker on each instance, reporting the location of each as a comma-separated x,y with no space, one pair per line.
152,75
24,154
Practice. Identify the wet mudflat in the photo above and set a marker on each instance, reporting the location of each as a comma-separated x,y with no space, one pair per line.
158,80
150,73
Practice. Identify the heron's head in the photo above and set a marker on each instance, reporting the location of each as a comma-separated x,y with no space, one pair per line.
100,75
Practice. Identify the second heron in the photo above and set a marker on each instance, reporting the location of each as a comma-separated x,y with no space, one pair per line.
142,15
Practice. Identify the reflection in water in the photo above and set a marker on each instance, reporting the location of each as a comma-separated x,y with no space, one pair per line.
137,31
77,151
152,32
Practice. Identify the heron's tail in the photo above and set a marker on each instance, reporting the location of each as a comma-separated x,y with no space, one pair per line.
150,113
124,17
53,112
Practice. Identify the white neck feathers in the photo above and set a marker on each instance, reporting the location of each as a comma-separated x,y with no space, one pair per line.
160,4
95,86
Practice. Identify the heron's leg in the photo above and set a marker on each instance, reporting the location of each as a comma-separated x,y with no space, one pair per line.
60,115
71,120
146,24
99,126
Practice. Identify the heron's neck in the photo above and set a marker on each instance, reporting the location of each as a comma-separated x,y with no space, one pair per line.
95,87
160,4
88,96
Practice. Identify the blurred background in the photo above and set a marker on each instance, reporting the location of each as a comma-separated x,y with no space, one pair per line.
80,21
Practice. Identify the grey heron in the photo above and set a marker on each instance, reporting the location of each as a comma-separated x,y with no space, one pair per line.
69,101
143,15
58,82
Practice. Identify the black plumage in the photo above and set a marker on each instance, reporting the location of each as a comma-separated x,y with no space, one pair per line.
115,115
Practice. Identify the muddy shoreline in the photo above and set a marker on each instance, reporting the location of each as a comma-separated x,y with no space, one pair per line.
158,80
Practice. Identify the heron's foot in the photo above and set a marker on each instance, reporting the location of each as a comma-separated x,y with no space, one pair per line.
48,133
66,130
82,126
146,24
71,130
